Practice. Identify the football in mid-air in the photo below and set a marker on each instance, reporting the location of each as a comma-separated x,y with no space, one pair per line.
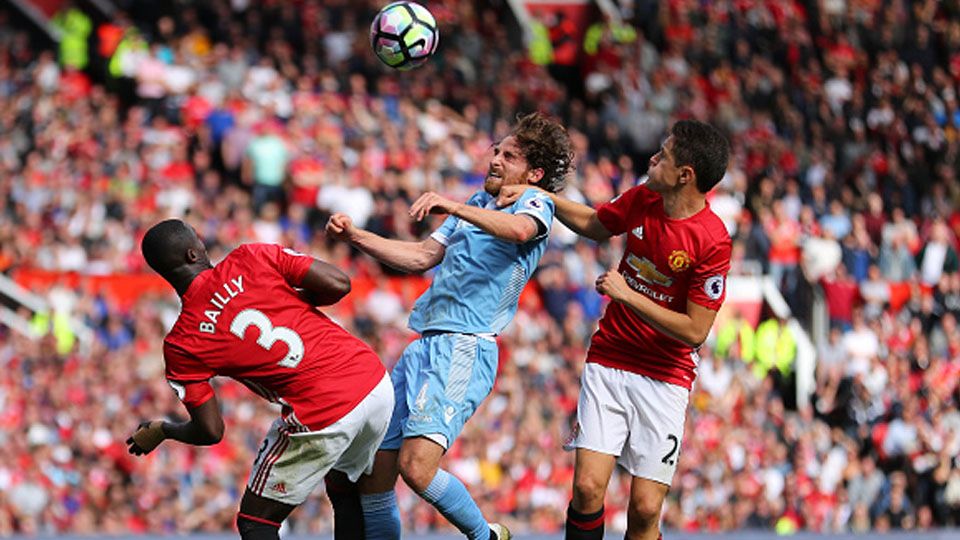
404,35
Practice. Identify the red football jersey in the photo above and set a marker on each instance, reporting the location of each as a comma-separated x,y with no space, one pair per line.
670,261
243,319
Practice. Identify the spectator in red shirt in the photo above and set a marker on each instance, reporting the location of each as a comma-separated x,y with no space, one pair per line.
842,295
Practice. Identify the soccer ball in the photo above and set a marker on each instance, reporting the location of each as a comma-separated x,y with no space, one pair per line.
404,35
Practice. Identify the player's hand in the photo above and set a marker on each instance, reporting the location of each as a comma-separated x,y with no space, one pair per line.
148,436
512,193
612,284
340,226
509,194
431,203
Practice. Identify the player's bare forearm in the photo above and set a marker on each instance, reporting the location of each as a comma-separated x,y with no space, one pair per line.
580,218
517,228
691,329
190,433
204,428
674,324
402,255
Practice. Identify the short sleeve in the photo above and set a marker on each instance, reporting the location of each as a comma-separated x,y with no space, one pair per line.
188,377
292,265
442,234
708,285
539,206
617,214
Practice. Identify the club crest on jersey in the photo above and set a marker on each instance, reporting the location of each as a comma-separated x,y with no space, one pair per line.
647,271
679,260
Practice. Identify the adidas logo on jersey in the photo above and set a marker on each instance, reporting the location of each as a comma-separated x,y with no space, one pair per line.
638,232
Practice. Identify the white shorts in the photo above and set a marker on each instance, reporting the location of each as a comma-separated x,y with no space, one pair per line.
290,465
638,419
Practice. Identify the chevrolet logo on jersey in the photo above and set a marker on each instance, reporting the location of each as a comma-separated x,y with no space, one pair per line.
647,271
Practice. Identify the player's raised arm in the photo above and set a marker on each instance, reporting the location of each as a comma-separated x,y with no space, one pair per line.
325,284
402,255
517,228
580,218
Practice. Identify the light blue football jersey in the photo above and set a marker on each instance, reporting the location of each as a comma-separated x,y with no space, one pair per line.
477,285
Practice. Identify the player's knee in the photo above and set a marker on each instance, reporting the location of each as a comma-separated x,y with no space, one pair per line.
588,493
645,511
251,529
415,472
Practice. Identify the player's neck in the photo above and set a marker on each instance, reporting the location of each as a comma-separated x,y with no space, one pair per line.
683,204
181,278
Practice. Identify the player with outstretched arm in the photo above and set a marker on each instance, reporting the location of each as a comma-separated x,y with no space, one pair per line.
485,255
252,317
642,360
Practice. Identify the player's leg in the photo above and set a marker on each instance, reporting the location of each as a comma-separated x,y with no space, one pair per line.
598,437
657,415
260,518
420,469
591,475
292,462
344,497
367,423
643,514
381,514
378,499
456,374
372,471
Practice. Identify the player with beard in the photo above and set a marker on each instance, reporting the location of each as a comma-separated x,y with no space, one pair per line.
485,255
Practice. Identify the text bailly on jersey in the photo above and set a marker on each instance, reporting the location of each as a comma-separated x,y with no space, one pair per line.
238,318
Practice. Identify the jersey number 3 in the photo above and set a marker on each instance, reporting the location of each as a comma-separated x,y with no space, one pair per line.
269,334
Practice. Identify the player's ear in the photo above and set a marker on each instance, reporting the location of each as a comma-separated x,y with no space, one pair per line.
192,255
687,176
534,175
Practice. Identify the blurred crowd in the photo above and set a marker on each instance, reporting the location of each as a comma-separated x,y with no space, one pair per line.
256,120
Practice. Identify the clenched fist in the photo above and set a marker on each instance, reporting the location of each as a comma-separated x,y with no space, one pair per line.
340,226
612,284
148,436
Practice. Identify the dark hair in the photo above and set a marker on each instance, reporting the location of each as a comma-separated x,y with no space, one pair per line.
165,244
545,145
702,147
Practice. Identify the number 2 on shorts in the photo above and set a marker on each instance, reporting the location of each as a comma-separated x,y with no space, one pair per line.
668,459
